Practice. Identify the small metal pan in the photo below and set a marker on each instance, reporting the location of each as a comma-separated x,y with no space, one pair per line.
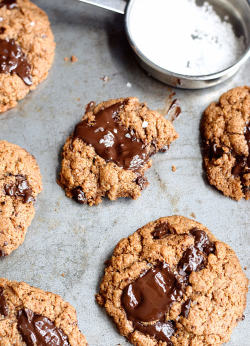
238,14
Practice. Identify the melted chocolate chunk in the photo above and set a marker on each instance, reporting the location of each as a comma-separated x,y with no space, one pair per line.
174,109
159,330
79,195
10,4
192,260
39,330
142,182
185,308
20,188
13,60
149,297
2,30
4,310
213,151
202,242
111,140
161,231
242,165
239,168
195,257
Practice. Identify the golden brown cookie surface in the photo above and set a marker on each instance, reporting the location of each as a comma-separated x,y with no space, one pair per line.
110,150
20,183
173,283
226,135
30,316
26,50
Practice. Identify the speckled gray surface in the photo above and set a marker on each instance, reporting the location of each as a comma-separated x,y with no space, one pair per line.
66,238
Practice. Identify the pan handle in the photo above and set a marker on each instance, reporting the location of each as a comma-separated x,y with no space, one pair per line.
112,5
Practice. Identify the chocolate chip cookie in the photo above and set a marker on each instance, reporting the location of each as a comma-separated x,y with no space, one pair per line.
173,283
30,316
20,183
26,50
110,149
226,137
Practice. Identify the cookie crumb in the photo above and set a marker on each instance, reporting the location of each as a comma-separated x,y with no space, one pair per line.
173,168
73,58
193,215
66,58
63,275
245,268
105,79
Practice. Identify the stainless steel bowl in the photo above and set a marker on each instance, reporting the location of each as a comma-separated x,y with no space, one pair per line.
238,13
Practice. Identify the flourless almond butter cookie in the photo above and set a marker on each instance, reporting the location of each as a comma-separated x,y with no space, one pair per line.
30,316
26,50
110,150
20,183
226,137
172,283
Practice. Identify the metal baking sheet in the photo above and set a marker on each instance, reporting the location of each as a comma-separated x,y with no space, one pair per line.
67,243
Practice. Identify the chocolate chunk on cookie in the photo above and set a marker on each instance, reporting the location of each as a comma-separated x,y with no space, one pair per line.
26,50
20,183
177,287
30,316
110,149
226,138
9,4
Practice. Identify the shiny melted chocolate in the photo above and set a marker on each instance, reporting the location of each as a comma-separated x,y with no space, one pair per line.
195,257
4,310
20,188
213,151
192,260
10,4
161,231
148,299
161,331
202,242
174,109
13,60
111,140
39,330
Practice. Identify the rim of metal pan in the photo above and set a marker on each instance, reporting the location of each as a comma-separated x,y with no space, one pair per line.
189,81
